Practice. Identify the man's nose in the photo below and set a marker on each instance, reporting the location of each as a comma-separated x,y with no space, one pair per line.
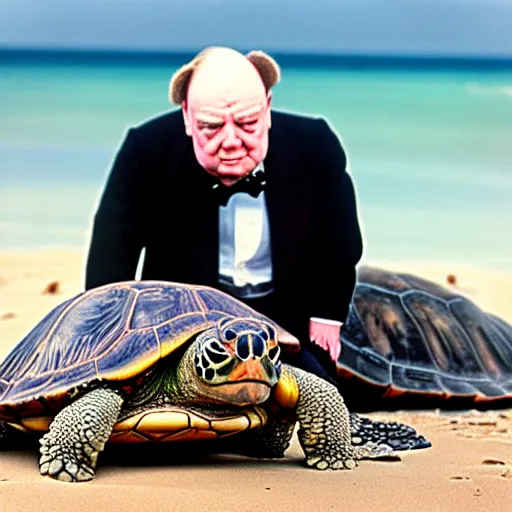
231,139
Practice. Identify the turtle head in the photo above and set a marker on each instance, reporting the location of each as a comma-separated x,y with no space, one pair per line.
239,360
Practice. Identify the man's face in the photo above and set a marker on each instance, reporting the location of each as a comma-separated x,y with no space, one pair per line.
229,129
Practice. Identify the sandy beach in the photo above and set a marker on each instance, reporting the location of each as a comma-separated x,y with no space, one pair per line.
468,468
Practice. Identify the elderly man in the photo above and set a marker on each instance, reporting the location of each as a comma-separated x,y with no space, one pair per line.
229,193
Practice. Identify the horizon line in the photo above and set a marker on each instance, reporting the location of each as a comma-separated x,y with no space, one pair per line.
289,58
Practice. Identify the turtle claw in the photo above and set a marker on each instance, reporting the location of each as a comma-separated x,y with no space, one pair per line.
65,465
323,463
69,471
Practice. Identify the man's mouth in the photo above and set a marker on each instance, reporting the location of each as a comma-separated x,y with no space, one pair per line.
231,161
233,157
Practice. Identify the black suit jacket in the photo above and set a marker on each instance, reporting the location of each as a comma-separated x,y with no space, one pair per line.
158,197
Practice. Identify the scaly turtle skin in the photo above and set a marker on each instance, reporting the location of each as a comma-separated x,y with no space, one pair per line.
409,343
153,361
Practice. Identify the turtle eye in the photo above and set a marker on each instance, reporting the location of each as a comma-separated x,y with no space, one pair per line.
215,352
215,357
216,346
230,335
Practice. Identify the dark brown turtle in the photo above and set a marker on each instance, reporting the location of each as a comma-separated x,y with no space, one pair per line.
410,343
159,362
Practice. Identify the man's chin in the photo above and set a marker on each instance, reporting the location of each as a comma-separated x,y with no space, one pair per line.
229,175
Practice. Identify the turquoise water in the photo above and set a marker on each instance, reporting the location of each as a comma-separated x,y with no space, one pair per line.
430,150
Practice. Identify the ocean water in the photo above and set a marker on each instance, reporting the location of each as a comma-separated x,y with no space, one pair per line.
429,147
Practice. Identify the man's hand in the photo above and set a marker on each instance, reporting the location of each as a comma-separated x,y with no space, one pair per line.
327,336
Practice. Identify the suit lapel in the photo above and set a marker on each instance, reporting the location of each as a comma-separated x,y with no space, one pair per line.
198,226
282,194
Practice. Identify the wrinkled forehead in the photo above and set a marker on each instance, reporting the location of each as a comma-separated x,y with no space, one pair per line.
237,110
226,86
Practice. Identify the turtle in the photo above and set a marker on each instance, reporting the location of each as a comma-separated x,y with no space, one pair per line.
156,361
411,343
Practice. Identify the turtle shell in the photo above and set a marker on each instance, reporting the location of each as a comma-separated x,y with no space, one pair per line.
410,342
115,332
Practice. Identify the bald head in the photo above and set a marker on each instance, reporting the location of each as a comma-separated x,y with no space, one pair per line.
265,65
223,77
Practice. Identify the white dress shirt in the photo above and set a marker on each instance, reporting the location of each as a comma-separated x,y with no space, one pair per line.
245,261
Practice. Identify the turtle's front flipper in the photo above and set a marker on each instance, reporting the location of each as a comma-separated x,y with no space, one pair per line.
324,432
396,435
69,450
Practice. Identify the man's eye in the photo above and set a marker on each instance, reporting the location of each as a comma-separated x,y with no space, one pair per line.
248,125
210,127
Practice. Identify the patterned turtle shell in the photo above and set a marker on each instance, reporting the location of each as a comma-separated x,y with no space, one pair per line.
409,342
115,332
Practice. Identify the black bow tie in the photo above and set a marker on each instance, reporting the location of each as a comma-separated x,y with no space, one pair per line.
252,184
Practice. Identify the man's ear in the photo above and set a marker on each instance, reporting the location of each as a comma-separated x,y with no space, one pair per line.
186,118
268,117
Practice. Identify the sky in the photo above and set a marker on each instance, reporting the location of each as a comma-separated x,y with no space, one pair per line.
439,27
